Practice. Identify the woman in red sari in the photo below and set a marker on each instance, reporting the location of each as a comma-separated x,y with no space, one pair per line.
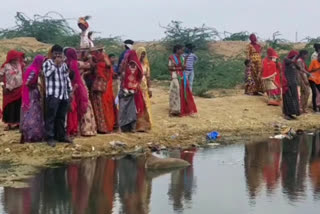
11,74
80,101
103,100
271,77
181,102
131,102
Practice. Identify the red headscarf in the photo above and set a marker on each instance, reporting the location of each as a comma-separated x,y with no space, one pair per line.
270,68
81,93
36,68
272,53
132,79
128,83
254,43
12,55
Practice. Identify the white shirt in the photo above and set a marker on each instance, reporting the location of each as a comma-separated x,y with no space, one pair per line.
85,42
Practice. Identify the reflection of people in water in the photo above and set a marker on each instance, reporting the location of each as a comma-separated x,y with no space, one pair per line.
17,201
182,182
80,179
134,190
55,192
262,165
102,193
253,160
271,169
303,157
314,167
294,167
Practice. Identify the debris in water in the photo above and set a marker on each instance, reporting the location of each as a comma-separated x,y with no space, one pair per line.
118,144
279,137
174,136
214,144
7,150
213,135
163,148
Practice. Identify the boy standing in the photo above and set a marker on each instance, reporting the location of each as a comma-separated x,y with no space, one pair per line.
58,90
190,60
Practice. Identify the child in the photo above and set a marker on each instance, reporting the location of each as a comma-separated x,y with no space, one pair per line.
249,82
190,61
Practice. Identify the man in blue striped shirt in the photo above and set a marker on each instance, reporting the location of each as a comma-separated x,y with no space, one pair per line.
190,60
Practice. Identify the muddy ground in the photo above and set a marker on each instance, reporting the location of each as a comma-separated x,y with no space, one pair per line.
234,115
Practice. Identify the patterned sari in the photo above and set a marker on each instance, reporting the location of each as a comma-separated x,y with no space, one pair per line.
144,121
32,122
103,102
181,102
88,126
131,103
256,67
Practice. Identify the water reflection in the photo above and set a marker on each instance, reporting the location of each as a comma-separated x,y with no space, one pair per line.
182,185
103,186
94,186
288,163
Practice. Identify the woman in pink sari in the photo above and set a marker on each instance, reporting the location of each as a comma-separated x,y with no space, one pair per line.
32,123
80,100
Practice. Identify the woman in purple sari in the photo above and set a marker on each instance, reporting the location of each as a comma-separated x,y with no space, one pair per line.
32,123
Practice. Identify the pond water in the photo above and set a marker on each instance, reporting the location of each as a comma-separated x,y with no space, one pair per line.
264,177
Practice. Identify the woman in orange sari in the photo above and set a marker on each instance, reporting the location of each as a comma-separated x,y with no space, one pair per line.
271,77
102,96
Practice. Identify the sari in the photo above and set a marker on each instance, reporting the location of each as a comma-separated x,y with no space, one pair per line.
131,102
11,75
250,85
290,86
254,55
32,122
144,121
271,78
103,101
80,101
304,85
88,126
181,102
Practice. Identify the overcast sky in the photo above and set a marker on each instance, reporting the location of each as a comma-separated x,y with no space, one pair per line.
140,19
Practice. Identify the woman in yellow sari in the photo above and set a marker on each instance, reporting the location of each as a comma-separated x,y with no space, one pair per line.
144,123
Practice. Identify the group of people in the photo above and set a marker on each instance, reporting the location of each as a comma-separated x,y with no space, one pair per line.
83,92
289,81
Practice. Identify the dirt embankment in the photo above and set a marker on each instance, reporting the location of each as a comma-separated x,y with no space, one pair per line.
231,113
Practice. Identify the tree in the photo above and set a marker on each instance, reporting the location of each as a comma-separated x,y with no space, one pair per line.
198,36
49,28
240,36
